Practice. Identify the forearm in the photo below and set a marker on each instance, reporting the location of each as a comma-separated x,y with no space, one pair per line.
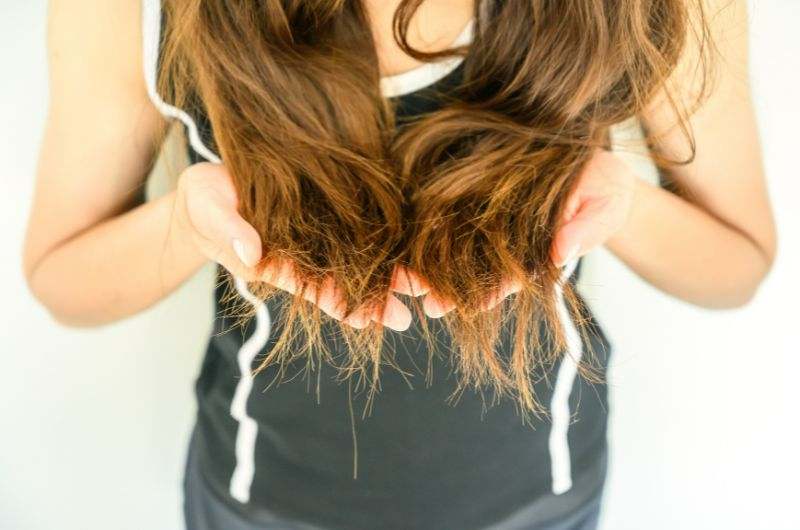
118,267
686,252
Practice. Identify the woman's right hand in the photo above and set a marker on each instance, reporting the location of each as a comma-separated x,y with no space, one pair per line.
206,210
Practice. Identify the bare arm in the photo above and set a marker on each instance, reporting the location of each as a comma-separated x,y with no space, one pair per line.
712,243
89,257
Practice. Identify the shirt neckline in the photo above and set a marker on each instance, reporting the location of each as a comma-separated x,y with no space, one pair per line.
428,73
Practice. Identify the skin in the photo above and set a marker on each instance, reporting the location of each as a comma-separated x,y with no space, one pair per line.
92,256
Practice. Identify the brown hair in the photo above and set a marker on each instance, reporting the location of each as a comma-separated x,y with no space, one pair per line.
467,196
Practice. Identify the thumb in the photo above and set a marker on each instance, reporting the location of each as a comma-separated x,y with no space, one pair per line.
245,242
238,243
583,232
567,245
247,254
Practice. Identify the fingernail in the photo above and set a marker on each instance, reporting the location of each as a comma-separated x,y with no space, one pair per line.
238,249
436,308
359,319
399,322
433,309
571,254
358,322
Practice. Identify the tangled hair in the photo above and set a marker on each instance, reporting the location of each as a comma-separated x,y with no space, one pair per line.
467,196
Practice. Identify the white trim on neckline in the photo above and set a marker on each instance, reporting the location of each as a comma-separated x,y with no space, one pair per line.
427,73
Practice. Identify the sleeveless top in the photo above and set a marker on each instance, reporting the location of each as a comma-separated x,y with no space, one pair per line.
423,462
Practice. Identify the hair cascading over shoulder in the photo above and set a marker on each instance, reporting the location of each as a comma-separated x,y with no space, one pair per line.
466,196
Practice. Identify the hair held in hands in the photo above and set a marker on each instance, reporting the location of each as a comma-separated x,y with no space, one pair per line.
467,196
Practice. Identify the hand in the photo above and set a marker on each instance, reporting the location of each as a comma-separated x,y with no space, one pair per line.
597,208
206,209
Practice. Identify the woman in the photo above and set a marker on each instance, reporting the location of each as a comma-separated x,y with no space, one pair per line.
294,455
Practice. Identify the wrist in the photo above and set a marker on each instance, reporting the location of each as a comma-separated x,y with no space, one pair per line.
181,244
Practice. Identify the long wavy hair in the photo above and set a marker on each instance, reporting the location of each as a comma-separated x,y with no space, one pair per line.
467,196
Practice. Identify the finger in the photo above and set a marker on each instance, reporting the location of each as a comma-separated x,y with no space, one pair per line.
571,207
219,224
328,298
247,250
436,307
238,246
496,298
395,315
281,273
206,177
589,228
360,318
405,281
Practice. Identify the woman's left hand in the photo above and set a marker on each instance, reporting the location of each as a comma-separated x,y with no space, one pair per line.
597,208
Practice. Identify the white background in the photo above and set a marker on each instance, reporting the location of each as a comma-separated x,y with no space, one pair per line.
93,424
